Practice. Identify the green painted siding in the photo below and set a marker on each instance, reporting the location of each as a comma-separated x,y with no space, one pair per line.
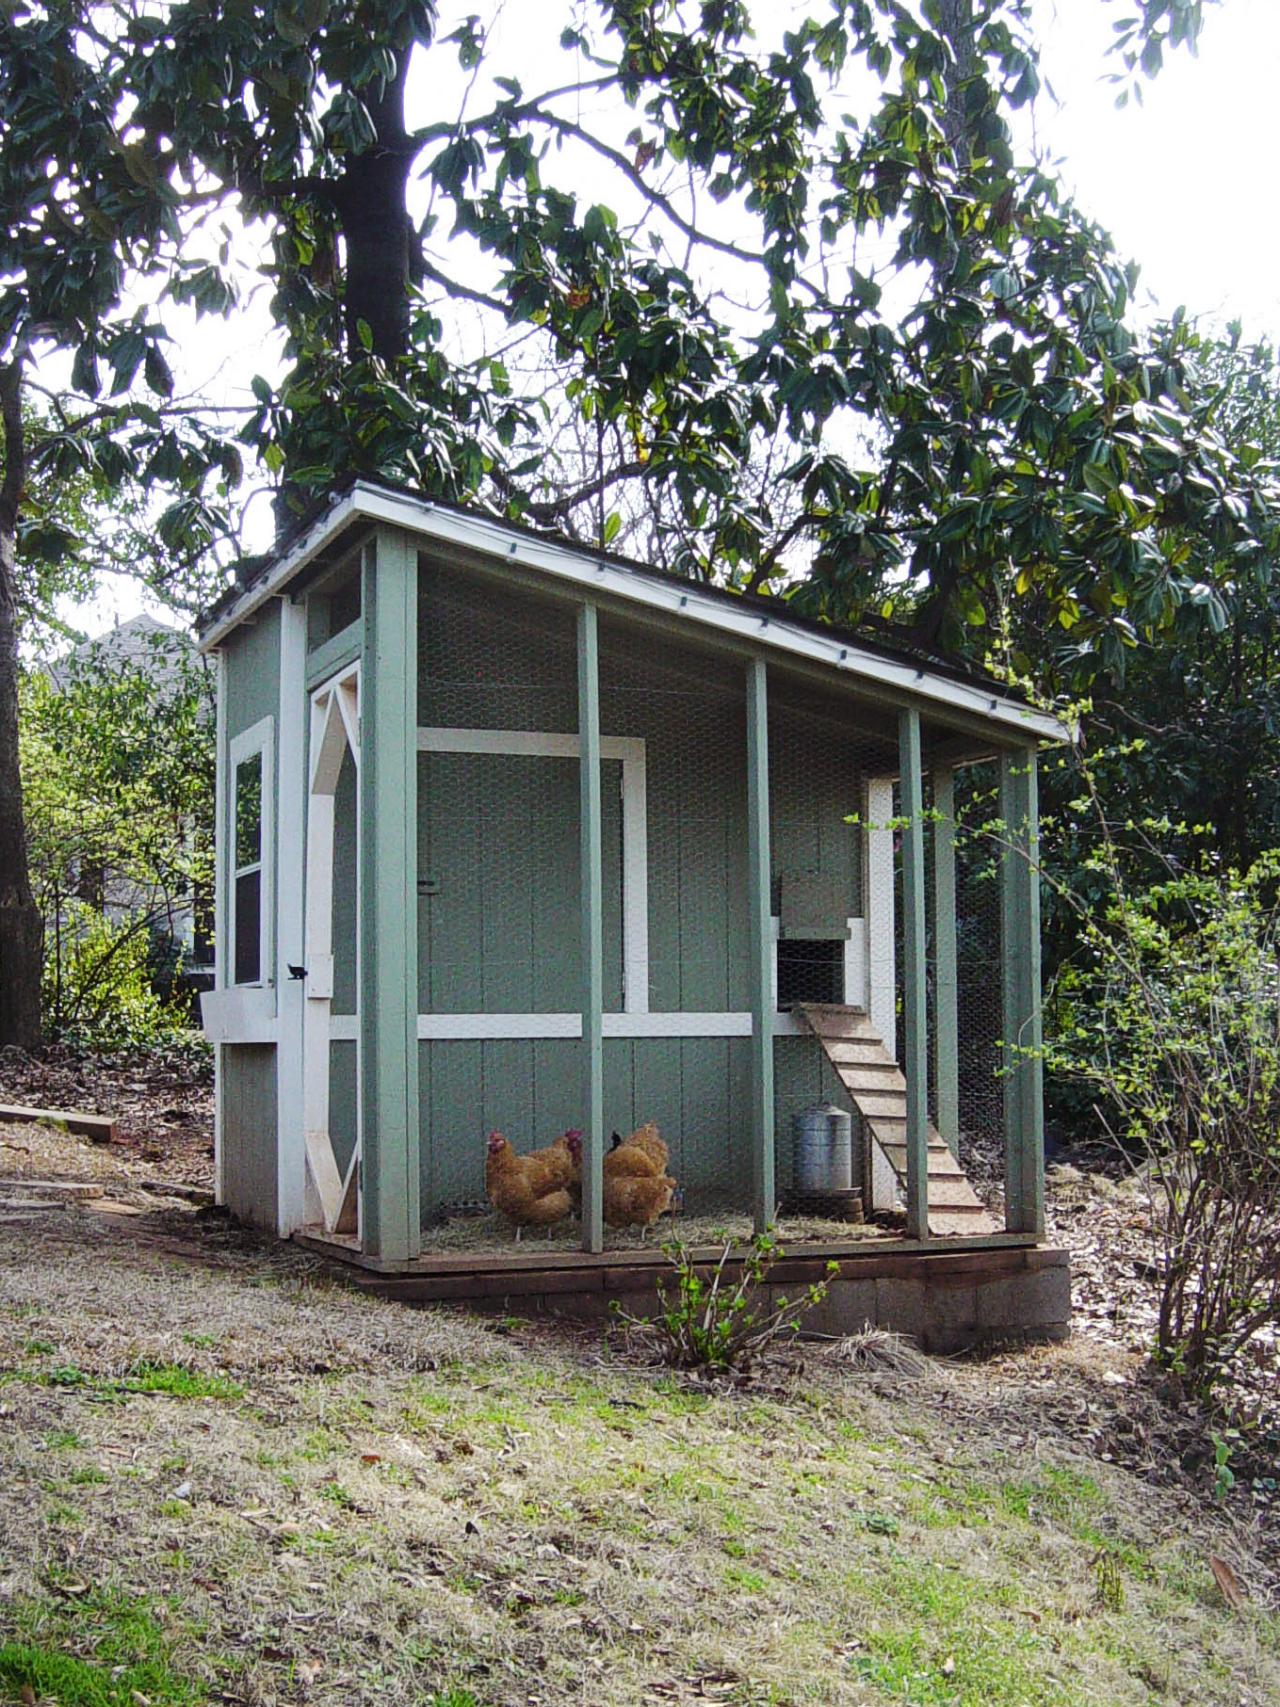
342,1101
253,671
248,1085
498,845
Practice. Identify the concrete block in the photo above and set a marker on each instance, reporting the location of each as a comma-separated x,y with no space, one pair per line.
1035,1300
850,1306
902,1306
951,1315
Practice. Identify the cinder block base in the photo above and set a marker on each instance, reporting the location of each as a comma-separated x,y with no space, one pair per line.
946,1299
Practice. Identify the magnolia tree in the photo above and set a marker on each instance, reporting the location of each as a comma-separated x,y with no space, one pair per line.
669,215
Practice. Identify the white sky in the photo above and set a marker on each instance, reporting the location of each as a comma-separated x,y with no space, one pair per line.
1181,181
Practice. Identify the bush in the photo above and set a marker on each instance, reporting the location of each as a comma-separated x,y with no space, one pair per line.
98,983
1170,1016
716,1324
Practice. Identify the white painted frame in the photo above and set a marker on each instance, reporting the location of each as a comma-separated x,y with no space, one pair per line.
854,979
330,1196
539,744
260,738
291,858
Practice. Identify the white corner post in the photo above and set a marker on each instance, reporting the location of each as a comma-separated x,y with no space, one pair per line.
759,884
1020,966
388,876
915,1051
946,1059
290,890
592,897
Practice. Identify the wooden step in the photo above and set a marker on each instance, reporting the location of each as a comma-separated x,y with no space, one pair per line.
881,1105
864,1051
863,1081
942,1164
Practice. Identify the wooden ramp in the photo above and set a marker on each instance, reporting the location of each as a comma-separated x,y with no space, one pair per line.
878,1091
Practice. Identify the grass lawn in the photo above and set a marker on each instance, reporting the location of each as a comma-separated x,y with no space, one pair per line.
232,1482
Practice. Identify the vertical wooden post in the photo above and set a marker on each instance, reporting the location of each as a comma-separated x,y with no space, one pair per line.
1020,957
592,932
763,1179
946,1059
388,909
915,1055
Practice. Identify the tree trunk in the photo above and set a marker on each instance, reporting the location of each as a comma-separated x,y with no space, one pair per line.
21,927
957,27
377,229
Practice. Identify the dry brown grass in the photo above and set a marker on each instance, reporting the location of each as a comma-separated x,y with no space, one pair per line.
387,1504
484,1233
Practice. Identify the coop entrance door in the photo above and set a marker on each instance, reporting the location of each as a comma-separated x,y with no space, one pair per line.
331,1027
499,910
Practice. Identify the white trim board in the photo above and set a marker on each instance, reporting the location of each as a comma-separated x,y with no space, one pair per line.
505,1028
541,744
845,658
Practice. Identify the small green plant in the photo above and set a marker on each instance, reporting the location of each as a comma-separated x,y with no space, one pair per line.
1224,1477
709,1320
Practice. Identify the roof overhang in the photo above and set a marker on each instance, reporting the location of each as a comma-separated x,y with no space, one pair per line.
586,572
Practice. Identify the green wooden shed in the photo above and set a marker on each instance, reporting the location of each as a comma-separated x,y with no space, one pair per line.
517,834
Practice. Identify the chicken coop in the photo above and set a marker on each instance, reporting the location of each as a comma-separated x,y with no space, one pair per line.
521,838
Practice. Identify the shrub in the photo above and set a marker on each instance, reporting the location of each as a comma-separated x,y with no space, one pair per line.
714,1322
1168,1014
99,988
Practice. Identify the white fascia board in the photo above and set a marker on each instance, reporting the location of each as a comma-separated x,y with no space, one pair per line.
565,563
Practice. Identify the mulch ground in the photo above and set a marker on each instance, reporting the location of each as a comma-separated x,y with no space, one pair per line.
161,1101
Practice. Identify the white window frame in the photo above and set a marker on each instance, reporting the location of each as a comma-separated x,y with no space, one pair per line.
257,740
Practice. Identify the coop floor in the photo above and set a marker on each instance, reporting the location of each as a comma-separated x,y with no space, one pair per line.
493,1234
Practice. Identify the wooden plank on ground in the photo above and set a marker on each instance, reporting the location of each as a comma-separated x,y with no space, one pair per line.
100,1127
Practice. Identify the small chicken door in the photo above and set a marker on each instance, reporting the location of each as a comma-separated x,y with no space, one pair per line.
331,1026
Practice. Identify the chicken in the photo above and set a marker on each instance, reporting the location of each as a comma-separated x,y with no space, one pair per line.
636,1188
532,1190
635,1200
648,1141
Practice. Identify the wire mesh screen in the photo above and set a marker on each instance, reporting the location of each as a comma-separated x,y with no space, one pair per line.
499,910
829,761
681,713
499,935
978,962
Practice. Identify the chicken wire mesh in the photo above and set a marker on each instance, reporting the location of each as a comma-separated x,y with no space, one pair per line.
685,709
978,1131
830,767
500,984
979,951
498,889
